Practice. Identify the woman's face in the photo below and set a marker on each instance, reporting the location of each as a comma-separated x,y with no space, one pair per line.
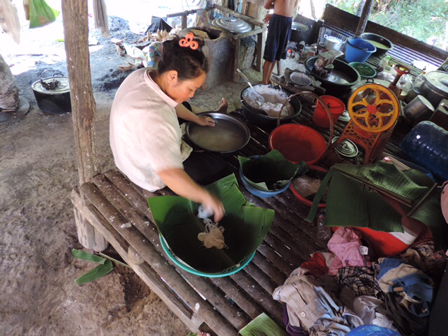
183,90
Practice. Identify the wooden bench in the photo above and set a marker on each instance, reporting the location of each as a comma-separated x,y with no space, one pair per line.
119,211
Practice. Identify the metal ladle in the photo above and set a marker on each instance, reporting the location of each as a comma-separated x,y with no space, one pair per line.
261,99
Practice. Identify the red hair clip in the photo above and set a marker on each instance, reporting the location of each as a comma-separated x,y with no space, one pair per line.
188,41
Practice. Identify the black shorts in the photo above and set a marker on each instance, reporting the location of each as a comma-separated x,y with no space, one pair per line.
279,34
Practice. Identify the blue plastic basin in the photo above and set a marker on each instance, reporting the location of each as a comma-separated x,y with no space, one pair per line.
258,192
358,50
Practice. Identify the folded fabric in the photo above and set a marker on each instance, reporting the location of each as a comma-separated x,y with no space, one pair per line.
407,323
318,263
345,244
311,308
413,288
292,330
361,280
423,257
365,307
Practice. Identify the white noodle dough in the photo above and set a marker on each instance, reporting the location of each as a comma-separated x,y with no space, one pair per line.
273,101
213,235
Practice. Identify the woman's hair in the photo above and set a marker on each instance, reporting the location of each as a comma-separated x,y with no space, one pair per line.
188,63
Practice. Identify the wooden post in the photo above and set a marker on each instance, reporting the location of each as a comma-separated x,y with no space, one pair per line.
364,18
83,106
184,21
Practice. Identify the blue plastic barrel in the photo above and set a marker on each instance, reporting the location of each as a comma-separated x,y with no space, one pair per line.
372,330
358,50
426,145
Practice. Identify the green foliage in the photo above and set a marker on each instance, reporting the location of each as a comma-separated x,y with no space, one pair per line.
421,19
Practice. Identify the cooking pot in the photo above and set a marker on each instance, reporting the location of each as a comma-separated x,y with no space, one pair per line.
53,95
433,86
340,81
298,31
259,117
229,134
332,43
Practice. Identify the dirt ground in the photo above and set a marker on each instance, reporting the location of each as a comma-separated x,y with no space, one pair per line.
37,229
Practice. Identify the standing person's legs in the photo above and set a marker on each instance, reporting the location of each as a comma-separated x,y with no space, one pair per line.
267,71
279,33
270,51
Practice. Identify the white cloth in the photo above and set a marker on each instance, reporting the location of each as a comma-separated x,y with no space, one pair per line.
145,136
364,306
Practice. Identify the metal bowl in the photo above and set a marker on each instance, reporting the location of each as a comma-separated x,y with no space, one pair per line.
229,134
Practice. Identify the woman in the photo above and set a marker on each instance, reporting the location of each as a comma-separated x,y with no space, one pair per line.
145,136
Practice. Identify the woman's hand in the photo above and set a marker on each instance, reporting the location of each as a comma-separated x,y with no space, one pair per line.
212,202
178,181
205,121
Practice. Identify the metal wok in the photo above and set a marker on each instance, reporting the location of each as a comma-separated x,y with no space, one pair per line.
229,134
259,117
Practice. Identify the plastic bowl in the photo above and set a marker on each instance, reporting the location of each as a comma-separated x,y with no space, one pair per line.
303,199
260,193
298,143
364,69
191,270
358,50
383,45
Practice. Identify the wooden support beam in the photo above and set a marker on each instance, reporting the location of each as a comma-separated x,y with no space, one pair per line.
364,18
83,106
81,94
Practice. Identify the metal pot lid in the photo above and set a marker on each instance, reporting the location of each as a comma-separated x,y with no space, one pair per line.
232,25
346,148
52,85
299,26
438,80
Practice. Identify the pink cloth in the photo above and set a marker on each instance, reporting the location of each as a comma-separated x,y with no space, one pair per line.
345,244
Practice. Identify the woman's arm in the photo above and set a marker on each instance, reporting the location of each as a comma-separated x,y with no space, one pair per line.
178,181
186,114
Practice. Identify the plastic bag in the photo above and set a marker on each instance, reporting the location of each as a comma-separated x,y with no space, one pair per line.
41,13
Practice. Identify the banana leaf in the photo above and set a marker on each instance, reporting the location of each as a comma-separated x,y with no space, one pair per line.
245,228
41,13
87,256
98,272
351,202
262,325
270,172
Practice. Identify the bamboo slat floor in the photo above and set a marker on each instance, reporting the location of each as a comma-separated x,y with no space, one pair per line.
221,305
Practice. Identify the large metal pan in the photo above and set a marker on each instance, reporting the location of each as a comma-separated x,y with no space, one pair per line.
229,134
259,117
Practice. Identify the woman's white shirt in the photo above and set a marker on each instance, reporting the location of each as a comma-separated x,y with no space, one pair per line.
145,136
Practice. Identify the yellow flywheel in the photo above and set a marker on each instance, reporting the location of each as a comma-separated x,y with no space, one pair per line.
373,108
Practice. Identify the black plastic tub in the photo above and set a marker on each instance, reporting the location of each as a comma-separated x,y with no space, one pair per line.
382,44
333,88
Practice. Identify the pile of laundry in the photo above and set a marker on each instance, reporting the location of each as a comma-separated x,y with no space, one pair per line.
339,290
